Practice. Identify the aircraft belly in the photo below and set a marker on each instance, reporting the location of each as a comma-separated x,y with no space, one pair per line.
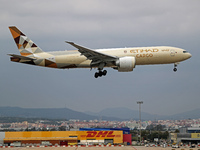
72,61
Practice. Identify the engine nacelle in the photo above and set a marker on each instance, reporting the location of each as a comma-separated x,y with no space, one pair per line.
126,64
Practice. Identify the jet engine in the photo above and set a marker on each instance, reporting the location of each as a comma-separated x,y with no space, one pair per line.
125,64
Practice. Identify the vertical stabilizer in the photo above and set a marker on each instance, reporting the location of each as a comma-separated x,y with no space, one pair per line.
24,44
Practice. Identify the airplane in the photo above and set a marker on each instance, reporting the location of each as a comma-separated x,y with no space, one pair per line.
121,59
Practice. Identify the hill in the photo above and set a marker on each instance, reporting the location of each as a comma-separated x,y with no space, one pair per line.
118,114
50,113
127,114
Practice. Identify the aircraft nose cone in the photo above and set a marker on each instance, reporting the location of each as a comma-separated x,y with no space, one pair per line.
189,55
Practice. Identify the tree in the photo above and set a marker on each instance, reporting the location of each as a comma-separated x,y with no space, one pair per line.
159,127
44,129
53,129
176,131
33,129
150,127
62,128
165,135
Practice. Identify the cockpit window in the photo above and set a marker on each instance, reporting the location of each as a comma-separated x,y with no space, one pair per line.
185,51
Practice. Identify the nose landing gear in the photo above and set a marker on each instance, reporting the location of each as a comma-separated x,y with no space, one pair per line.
175,69
175,65
100,73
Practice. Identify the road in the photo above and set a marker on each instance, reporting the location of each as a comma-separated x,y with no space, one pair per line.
100,148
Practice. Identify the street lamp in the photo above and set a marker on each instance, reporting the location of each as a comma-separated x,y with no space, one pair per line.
140,102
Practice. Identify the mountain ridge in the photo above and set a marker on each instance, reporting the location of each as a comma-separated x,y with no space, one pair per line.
118,114
126,113
50,113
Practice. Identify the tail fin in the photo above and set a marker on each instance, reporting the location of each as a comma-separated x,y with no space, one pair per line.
25,45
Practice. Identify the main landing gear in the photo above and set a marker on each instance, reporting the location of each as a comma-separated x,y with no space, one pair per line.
100,68
100,73
175,69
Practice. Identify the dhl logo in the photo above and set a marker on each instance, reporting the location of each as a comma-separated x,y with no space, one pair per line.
100,134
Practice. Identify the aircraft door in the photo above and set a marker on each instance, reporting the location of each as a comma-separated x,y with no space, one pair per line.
172,52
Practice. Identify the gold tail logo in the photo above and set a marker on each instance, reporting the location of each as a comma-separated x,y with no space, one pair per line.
24,44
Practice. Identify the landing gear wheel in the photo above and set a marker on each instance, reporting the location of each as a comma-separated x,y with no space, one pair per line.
104,72
96,75
175,69
175,65
100,73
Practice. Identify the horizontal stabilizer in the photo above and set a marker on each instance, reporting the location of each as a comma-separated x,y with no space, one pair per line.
22,57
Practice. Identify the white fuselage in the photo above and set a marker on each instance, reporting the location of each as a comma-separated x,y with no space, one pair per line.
143,55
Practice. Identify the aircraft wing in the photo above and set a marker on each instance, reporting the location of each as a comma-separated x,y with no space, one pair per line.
21,57
95,56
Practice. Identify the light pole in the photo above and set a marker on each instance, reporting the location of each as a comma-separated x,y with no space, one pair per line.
140,102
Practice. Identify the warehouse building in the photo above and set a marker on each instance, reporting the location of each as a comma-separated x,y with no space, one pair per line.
127,138
185,138
64,137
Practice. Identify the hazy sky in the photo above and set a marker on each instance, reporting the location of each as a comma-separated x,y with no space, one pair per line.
102,24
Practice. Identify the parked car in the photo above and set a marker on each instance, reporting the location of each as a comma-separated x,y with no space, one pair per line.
192,146
175,146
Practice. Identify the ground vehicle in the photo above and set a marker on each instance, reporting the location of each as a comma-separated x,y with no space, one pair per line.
192,146
175,146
